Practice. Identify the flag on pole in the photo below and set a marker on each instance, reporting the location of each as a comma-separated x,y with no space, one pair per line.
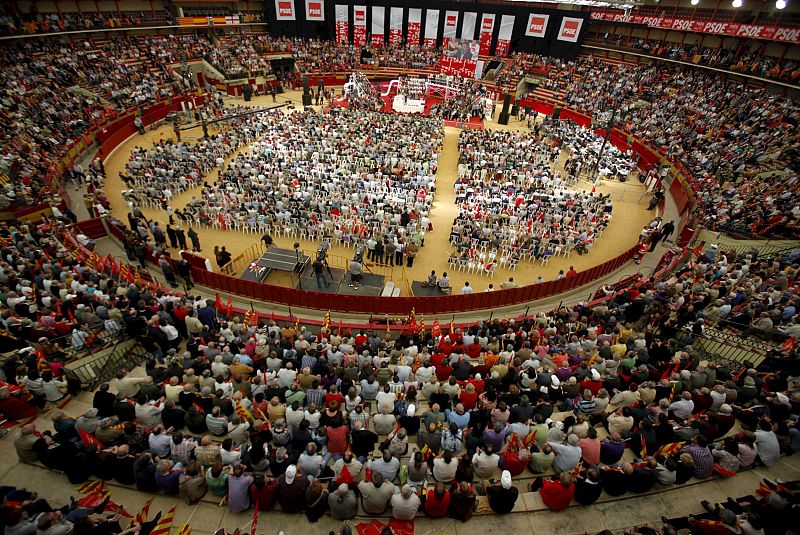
422,324
218,304
112,263
243,413
388,330
143,513
339,332
255,520
644,445
452,327
93,487
250,318
229,309
165,524
137,277
186,529
326,321
436,332
41,360
411,324
124,271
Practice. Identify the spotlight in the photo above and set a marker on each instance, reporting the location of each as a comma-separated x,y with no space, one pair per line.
695,2
737,3
780,4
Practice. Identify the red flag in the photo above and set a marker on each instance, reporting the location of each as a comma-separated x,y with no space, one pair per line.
218,304
112,263
255,520
41,360
229,309
345,476
88,439
644,445
436,331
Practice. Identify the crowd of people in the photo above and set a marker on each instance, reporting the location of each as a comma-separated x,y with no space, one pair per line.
512,204
585,146
13,23
347,175
319,420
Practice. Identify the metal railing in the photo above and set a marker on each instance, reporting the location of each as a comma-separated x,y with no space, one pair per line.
102,365
716,344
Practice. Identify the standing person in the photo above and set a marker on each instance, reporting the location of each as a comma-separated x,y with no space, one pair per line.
173,237
319,274
185,271
167,270
273,93
137,122
399,252
667,230
195,240
389,249
181,235
411,253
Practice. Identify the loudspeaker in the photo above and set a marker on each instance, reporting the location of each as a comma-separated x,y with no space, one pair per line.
503,119
306,100
515,109
506,104
556,113
320,83
305,85
247,92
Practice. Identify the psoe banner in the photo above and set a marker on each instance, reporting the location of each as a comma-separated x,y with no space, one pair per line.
359,25
342,24
570,29
504,36
431,27
414,26
450,24
315,10
396,26
537,25
487,28
284,10
378,14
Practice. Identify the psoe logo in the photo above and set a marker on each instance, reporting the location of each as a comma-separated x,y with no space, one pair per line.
315,9
451,20
488,24
537,26
360,16
570,29
285,9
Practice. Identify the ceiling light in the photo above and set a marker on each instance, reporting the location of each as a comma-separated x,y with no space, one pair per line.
737,3
695,2
780,4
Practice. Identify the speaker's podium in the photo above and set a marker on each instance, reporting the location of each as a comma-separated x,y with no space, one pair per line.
503,117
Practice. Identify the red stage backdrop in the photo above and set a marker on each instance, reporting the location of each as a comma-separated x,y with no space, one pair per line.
457,67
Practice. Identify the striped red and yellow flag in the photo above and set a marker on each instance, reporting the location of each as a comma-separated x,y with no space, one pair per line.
422,324
186,529
93,487
124,271
143,513
326,321
669,449
165,524
243,413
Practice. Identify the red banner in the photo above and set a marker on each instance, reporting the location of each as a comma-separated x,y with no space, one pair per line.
396,26
464,68
487,27
752,31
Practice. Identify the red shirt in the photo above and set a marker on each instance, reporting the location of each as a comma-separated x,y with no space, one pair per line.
593,386
443,373
361,339
555,496
478,384
337,440
333,397
468,400
435,507
509,460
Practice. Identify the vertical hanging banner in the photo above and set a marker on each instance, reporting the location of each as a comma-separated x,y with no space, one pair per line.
431,27
284,10
359,25
504,37
487,27
378,14
468,25
396,26
570,29
342,24
450,25
537,25
414,26
315,10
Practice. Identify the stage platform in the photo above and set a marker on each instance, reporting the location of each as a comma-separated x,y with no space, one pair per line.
275,259
475,123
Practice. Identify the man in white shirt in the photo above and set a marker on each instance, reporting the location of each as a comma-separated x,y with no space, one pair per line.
466,289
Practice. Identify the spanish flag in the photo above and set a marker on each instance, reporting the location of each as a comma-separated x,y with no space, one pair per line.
165,524
243,413
326,321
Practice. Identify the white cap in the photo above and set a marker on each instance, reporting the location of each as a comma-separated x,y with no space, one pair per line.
291,472
505,479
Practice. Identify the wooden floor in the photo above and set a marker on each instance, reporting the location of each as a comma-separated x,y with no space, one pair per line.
629,216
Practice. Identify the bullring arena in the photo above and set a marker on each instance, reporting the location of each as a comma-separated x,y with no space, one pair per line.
306,267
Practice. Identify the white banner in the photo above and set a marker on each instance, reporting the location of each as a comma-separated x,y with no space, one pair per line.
504,36
414,26
284,10
359,25
537,25
378,14
342,23
468,25
570,29
395,26
315,10
450,26
431,27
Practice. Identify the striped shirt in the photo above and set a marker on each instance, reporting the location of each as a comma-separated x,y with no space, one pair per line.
703,460
315,396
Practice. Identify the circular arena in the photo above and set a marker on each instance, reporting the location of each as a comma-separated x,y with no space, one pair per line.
307,266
